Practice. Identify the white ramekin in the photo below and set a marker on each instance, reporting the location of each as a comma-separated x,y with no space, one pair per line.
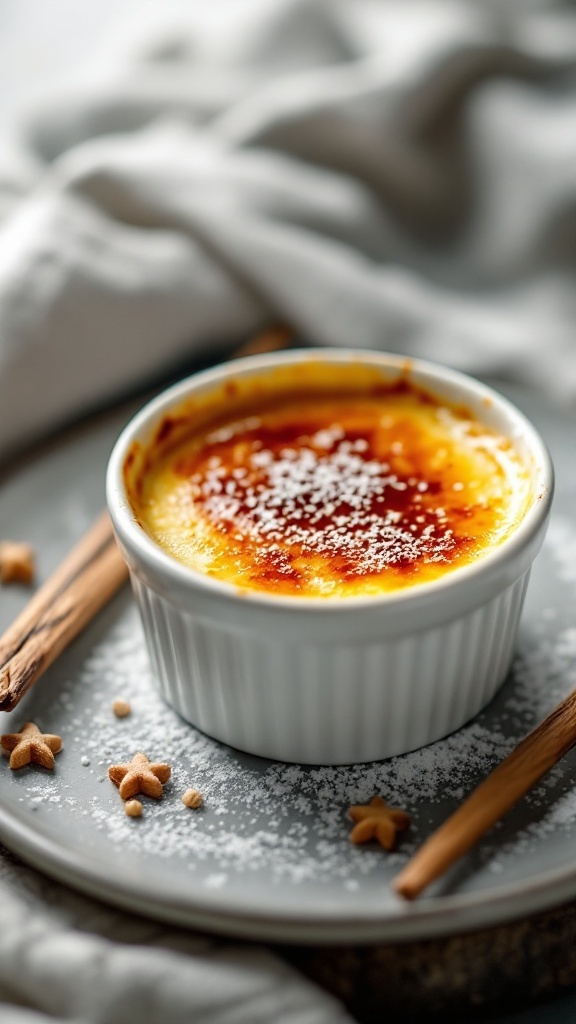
331,681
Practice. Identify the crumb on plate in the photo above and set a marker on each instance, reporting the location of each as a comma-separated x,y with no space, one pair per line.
121,707
192,798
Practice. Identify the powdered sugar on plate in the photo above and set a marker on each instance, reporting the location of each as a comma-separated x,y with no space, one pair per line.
270,844
281,824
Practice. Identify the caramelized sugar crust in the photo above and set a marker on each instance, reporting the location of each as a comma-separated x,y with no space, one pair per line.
335,496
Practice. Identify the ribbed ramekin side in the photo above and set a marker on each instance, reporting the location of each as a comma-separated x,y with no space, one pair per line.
416,689
329,704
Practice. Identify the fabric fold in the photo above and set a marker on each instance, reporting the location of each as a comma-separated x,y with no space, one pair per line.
65,958
371,173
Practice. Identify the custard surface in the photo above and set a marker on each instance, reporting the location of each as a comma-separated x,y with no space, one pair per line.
334,496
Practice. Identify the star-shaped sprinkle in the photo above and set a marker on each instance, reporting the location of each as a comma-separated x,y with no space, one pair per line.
377,821
139,776
30,746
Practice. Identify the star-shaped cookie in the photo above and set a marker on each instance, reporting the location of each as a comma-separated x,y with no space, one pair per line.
31,746
139,776
377,821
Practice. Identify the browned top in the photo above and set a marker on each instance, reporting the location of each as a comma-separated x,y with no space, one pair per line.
334,496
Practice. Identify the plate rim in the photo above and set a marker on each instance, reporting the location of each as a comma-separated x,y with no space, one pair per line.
431,917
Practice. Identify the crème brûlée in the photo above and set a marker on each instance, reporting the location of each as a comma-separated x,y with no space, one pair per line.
332,495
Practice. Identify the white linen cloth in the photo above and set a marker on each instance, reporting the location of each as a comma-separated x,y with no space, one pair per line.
66,958
396,174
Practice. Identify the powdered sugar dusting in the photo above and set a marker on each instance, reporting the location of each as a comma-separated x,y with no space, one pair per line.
327,498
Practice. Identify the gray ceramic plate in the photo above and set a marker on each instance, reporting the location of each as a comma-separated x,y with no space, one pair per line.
268,855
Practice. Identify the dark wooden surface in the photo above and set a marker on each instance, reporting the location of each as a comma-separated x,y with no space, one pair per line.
459,978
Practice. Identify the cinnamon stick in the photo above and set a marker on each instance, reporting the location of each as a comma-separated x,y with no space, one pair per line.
87,578
274,339
493,798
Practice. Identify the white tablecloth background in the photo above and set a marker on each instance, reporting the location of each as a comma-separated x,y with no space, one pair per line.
398,174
